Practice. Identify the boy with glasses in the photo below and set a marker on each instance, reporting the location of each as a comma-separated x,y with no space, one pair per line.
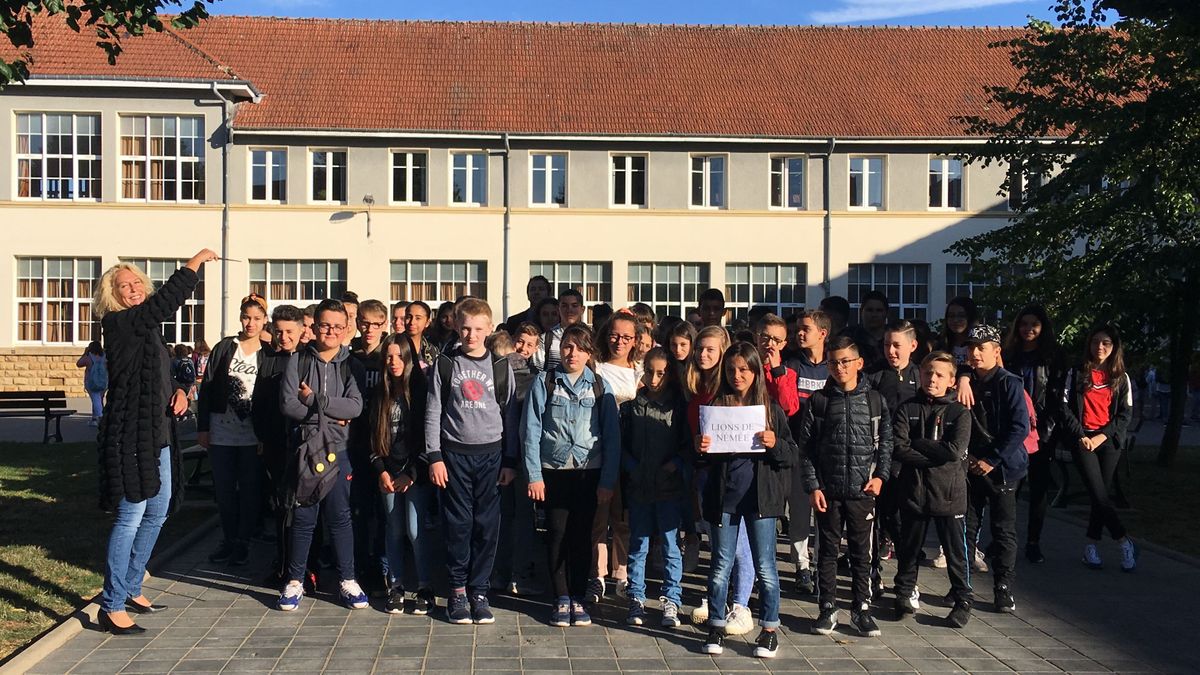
364,501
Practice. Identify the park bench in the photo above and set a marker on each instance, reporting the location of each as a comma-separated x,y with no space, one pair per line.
51,405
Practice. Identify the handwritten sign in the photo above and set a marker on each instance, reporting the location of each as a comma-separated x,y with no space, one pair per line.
733,428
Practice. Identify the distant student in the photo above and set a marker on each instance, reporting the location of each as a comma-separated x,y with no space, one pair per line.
845,438
536,290
469,392
350,302
364,498
570,312
712,307
932,433
399,311
416,326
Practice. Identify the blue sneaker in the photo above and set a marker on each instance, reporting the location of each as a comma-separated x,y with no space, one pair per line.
561,616
290,599
1129,555
579,616
352,595
458,609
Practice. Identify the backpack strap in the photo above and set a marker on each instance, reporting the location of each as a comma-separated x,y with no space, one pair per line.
445,371
500,371
597,386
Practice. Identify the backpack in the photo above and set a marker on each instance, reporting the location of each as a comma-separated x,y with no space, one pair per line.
96,378
820,404
183,371
309,476
1032,438
500,368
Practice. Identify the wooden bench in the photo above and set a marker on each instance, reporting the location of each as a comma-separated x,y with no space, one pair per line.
51,405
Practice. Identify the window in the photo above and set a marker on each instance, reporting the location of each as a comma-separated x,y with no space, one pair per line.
188,323
58,156
409,172
906,287
298,281
962,280
468,181
670,288
787,182
54,300
548,184
268,175
780,287
629,180
945,183
593,280
438,281
866,182
708,181
1022,180
162,158
328,176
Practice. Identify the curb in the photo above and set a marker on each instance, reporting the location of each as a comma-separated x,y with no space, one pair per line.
33,653
1143,544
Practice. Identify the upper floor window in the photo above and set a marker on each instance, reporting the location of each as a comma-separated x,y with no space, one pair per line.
329,176
629,180
866,182
58,156
409,173
54,299
268,175
468,181
945,183
162,158
787,182
708,181
548,180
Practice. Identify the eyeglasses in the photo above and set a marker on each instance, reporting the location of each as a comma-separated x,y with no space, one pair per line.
372,324
621,338
330,328
842,363
771,339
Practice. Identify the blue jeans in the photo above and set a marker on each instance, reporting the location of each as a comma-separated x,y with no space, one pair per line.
336,508
646,521
235,472
406,516
725,538
132,541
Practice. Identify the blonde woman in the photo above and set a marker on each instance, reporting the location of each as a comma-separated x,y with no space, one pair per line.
138,460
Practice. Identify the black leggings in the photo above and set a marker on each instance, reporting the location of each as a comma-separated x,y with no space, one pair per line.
570,510
1038,482
1097,469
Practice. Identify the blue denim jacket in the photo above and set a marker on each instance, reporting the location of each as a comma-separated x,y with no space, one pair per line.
573,424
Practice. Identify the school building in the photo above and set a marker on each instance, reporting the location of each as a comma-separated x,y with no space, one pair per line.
427,160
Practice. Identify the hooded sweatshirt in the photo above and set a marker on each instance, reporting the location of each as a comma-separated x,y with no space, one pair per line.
335,396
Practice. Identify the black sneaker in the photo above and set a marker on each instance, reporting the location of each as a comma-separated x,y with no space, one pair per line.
458,608
241,555
826,621
223,554
804,582
1004,601
424,603
481,611
766,645
714,644
863,623
1033,553
906,602
395,601
960,615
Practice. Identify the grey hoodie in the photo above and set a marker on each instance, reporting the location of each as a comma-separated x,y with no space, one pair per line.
335,398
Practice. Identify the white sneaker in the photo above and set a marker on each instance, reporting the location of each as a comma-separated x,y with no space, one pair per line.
739,621
980,564
700,614
1091,557
623,588
939,562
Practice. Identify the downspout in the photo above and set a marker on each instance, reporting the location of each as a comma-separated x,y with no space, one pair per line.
507,230
828,226
225,139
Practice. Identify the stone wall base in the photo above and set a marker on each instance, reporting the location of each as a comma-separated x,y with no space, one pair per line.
41,369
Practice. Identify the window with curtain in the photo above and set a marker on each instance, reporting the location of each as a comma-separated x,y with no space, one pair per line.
162,158
58,156
437,281
54,299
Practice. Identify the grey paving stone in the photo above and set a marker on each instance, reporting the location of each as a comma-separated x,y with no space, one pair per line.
988,665
846,665
934,665
199,666
546,664
885,665
145,667
642,665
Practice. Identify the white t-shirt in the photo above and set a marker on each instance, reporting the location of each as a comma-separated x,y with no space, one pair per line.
623,381
234,426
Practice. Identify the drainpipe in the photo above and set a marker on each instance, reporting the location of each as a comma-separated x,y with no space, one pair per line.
226,136
828,226
507,230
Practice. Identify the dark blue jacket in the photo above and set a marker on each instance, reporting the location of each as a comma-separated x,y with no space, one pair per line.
1001,423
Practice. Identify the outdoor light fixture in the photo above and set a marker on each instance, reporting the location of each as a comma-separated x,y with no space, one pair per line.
342,216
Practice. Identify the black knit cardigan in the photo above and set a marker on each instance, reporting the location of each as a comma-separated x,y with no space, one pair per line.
135,411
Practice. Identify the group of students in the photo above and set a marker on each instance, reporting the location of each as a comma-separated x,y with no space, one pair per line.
874,430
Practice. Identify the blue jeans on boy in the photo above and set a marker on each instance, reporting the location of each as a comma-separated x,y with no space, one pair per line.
761,537
405,516
646,521
471,518
132,541
236,479
336,508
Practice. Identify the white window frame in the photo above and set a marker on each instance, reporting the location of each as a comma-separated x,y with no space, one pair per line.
897,306
547,178
77,303
73,155
686,301
334,287
200,165
944,170
269,157
784,177
706,180
473,158
628,180
594,275
866,176
409,176
330,182
161,269
474,279
739,308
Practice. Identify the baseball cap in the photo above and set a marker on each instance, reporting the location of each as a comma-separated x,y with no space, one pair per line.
983,333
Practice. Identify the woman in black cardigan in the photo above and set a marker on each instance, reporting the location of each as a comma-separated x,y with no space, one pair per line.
139,462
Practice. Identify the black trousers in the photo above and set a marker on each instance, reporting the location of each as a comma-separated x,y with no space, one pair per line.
854,517
1097,469
952,535
982,494
570,510
886,525
1039,482
471,516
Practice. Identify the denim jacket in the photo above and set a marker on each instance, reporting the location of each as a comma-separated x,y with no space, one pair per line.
573,424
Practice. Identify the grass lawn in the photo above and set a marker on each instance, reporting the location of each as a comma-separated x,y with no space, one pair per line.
1165,501
53,536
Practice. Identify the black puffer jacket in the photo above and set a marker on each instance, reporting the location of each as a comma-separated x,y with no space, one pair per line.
772,474
654,434
931,440
137,421
839,453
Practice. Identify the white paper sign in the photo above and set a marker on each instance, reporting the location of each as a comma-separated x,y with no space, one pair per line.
733,428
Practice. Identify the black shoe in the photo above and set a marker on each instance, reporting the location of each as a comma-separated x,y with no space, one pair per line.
424,603
804,582
223,554
395,601
108,626
960,615
876,588
714,644
132,606
906,603
481,611
767,644
1004,601
241,555
458,608
863,623
826,621
1033,553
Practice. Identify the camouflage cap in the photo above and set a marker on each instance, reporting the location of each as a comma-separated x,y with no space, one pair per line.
983,333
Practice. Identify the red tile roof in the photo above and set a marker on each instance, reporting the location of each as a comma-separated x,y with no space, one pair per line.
621,79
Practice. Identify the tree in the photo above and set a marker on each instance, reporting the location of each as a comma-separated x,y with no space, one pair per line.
111,20
1101,134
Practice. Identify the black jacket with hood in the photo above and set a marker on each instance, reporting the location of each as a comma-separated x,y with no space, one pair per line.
931,437
772,473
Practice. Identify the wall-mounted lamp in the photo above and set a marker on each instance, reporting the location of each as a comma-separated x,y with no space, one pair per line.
343,216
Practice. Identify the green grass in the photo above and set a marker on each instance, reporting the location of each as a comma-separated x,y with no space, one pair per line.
1165,501
53,536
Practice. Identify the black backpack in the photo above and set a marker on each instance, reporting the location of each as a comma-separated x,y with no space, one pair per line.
500,368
